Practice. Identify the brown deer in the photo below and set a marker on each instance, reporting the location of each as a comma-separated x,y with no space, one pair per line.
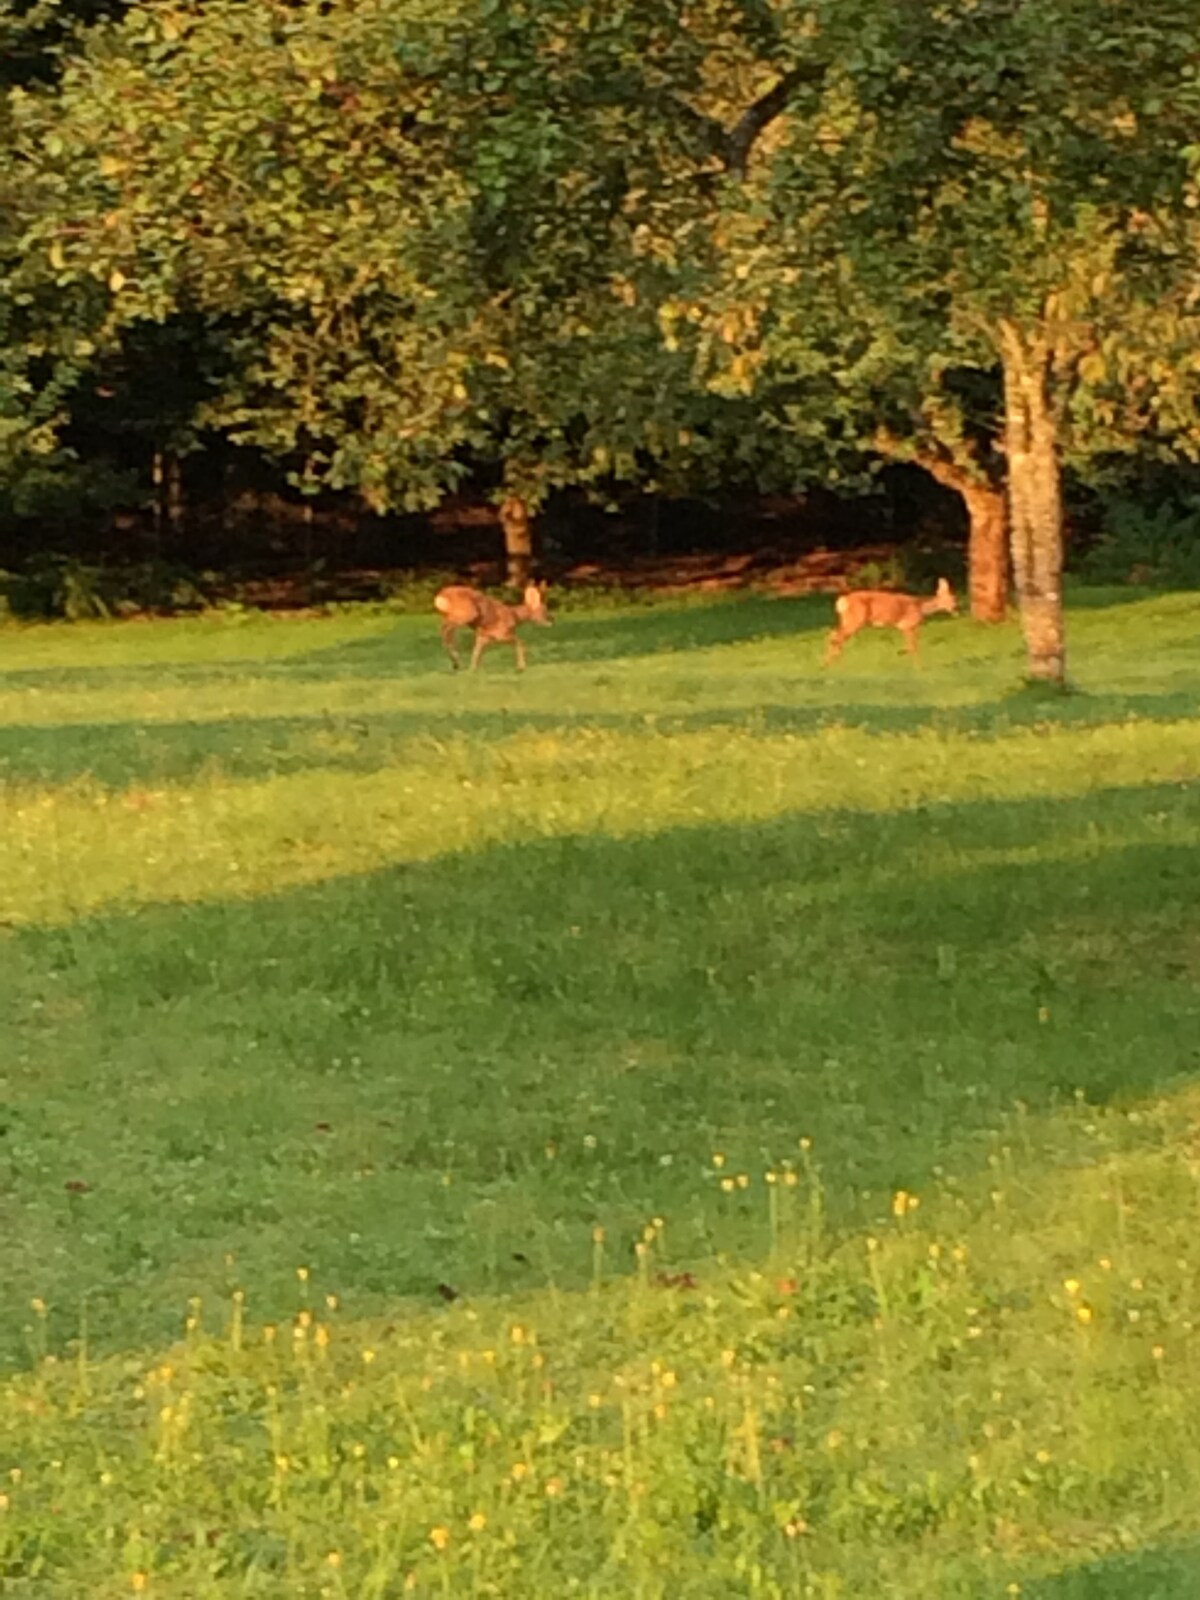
492,621
879,608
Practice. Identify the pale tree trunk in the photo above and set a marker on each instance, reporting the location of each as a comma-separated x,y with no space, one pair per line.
175,505
987,544
1035,502
518,540
156,504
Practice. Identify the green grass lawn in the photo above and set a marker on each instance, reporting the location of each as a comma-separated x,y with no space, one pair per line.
316,956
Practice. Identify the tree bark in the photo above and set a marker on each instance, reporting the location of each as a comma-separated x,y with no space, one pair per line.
1035,502
518,540
987,543
987,551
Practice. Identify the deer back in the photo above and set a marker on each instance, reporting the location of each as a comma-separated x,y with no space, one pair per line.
471,608
877,608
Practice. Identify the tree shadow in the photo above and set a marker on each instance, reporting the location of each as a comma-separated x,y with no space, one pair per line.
451,1070
1163,1573
121,754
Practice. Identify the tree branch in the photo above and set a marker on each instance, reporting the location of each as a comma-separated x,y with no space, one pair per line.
732,146
741,139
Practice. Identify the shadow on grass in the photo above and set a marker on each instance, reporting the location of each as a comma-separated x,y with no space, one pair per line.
118,755
1160,1574
451,1071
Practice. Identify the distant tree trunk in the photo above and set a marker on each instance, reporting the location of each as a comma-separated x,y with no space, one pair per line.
175,498
156,504
518,540
987,540
1035,502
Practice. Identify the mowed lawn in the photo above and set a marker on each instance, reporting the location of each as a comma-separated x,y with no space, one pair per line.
326,972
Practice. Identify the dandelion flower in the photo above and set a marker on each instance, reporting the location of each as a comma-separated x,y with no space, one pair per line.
439,1537
1084,1313
478,1522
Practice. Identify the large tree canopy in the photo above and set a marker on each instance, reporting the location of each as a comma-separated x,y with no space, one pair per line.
413,225
990,186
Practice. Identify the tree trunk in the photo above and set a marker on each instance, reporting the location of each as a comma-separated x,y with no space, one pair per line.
987,543
987,551
1035,503
518,540
156,504
174,495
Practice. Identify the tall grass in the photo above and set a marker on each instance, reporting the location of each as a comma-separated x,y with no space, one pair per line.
740,1114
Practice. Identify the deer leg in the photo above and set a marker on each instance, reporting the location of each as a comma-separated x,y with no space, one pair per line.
910,641
834,650
520,649
480,646
448,632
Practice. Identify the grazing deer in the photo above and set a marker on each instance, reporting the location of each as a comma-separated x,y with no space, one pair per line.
492,621
879,608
